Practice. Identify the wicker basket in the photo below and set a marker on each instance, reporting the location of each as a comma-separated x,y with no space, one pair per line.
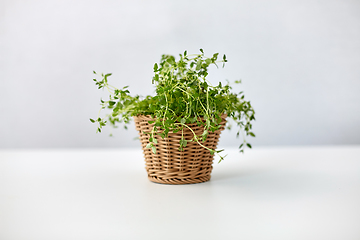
169,165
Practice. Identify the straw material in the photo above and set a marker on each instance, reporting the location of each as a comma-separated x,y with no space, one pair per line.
169,165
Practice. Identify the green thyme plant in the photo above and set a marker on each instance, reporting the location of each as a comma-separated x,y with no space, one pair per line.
183,96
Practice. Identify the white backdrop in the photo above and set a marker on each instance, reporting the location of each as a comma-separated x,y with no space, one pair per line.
299,62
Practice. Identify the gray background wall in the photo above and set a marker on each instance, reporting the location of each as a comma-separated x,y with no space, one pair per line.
299,62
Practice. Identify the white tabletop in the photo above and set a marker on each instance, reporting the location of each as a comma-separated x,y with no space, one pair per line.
266,193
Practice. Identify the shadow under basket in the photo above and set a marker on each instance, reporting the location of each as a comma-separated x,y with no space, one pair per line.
169,165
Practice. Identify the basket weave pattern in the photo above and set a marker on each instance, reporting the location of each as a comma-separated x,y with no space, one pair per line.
169,165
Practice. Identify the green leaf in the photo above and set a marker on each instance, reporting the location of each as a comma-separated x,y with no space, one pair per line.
184,142
251,134
155,67
215,56
202,51
92,120
249,145
183,121
153,149
198,65
149,145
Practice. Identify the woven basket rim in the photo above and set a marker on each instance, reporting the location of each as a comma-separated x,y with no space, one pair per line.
224,115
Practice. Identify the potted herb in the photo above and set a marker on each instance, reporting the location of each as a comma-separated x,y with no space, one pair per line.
180,126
